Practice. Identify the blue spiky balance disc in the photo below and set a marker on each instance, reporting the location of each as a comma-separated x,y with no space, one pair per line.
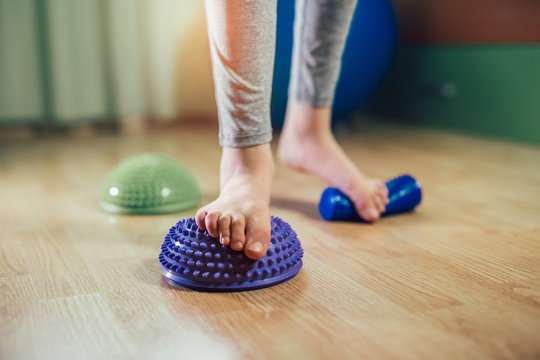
190,257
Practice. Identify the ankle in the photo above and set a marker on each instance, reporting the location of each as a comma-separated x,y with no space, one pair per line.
307,121
252,163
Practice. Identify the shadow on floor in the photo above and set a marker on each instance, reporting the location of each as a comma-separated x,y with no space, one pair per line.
307,208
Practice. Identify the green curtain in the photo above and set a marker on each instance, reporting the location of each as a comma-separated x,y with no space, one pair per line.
70,61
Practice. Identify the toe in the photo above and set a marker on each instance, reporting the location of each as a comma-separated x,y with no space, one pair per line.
383,193
374,215
224,224
238,228
384,199
379,204
369,213
200,219
211,223
257,240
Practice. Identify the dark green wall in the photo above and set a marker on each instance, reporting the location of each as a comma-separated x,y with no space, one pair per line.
489,90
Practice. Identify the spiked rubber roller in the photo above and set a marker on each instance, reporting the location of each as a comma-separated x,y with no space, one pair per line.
404,193
190,257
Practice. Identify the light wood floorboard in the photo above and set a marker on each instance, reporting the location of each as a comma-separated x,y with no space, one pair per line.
458,278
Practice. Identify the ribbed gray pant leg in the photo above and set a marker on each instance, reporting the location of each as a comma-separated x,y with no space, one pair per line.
242,36
320,31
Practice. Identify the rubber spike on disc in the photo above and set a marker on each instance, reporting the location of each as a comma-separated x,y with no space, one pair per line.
192,258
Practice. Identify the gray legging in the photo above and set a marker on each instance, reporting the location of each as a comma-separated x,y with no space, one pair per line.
242,36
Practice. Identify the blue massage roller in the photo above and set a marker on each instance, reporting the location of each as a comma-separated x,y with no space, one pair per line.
404,193
191,258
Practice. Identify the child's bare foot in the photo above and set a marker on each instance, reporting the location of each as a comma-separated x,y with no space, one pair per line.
240,216
307,144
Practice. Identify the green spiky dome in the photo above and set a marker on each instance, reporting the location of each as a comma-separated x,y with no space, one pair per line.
149,183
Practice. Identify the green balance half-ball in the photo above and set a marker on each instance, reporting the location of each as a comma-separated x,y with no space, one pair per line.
149,183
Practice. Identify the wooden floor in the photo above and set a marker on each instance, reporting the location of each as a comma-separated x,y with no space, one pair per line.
459,278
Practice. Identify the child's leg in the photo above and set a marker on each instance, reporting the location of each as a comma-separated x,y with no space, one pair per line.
307,143
242,46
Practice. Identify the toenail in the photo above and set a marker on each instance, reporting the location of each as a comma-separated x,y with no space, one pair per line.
237,245
225,240
373,212
256,246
